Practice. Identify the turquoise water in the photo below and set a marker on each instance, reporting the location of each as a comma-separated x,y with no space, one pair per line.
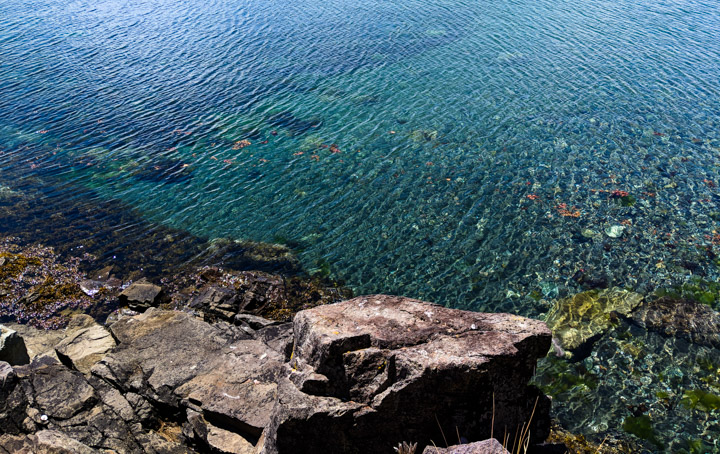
459,152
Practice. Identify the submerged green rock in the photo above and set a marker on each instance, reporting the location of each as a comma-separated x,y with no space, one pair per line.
576,319
641,427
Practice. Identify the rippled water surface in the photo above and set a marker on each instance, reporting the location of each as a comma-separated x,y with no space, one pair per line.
470,153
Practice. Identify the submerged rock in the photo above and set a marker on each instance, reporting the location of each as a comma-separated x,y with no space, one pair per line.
615,231
579,319
688,319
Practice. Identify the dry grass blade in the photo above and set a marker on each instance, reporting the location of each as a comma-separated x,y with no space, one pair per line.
441,431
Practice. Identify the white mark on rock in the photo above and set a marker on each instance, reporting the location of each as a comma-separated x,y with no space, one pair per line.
429,314
231,397
473,326
44,417
264,355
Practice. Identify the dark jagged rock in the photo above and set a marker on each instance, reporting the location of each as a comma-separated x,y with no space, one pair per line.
235,296
12,401
63,411
688,319
373,371
12,347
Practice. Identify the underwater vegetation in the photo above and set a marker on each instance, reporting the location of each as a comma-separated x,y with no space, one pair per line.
697,399
642,427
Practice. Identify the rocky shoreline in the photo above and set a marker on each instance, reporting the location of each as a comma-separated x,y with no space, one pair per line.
218,360
322,363
361,375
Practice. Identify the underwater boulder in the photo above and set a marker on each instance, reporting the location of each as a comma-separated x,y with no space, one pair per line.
295,125
581,318
690,320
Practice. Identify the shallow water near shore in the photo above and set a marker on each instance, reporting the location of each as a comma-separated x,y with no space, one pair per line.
487,156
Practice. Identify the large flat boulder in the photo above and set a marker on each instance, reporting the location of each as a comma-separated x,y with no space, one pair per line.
85,347
373,371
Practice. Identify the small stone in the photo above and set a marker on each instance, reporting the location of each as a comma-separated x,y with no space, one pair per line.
615,231
141,295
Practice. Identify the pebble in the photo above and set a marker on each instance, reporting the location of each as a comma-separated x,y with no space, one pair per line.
615,231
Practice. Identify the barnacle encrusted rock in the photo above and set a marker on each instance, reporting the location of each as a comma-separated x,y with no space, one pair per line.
375,370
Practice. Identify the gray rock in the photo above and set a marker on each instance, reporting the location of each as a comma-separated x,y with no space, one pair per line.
491,446
370,372
39,342
12,347
12,401
253,321
218,439
44,442
141,295
85,347
181,362
59,399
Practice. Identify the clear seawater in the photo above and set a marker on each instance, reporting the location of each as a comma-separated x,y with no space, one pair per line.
461,152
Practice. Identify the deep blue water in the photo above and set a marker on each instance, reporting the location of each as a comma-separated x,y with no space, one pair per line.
455,151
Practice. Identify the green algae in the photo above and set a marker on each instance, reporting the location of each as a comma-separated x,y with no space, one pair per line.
641,427
560,376
697,289
694,446
697,399
627,201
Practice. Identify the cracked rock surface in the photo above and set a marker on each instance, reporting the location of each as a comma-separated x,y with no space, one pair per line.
376,370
